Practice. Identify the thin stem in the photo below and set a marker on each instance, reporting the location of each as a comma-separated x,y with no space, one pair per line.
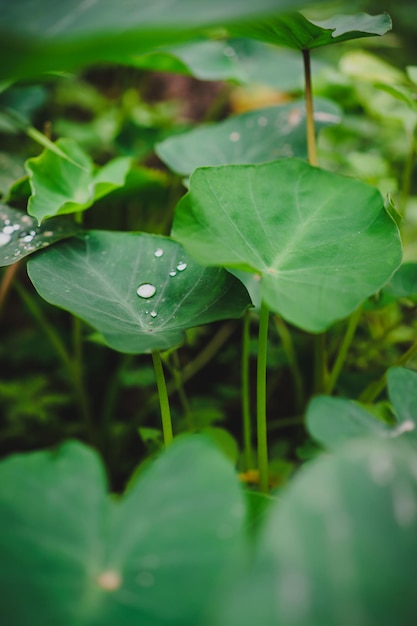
311,134
343,350
163,398
287,344
64,356
261,400
246,415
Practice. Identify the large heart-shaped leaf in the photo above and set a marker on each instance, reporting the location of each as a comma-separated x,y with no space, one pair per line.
296,31
140,291
155,557
321,242
72,184
340,544
332,421
20,234
47,35
255,137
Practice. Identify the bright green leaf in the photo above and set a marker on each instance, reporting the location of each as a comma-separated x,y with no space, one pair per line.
20,234
97,275
296,31
156,556
48,36
340,545
402,390
71,185
321,242
255,137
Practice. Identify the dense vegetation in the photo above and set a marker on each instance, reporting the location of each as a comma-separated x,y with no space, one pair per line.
208,221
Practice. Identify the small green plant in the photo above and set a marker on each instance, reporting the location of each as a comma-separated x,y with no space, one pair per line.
310,255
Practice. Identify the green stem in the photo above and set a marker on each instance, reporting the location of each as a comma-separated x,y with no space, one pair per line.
288,346
261,400
163,398
246,416
66,360
311,134
343,350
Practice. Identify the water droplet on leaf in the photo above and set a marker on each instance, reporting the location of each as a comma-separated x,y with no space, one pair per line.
146,290
235,136
4,238
159,252
153,314
173,273
181,266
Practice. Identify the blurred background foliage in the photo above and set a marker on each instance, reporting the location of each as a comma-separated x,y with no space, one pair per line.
126,111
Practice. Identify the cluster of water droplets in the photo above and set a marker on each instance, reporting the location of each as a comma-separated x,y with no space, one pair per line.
148,290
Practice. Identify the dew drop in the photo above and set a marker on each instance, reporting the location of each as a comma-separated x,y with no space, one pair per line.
146,290
8,230
235,136
153,314
181,266
173,273
26,237
4,239
262,121
158,252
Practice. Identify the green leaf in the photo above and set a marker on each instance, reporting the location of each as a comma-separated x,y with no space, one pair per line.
69,185
20,234
296,31
49,36
96,276
321,242
205,60
340,545
403,283
402,385
155,556
333,421
255,137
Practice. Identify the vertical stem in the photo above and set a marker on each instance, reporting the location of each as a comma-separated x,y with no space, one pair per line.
246,416
7,281
311,135
261,400
163,398
343,350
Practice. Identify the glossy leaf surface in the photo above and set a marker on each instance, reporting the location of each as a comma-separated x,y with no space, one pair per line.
69,185
46,35
296,31
155,556
97,276
20,234
321,242
262,135
340,544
